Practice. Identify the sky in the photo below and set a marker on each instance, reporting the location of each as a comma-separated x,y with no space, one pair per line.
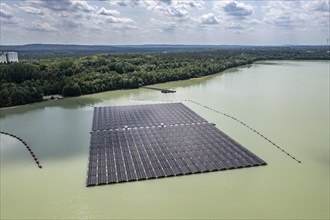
135,22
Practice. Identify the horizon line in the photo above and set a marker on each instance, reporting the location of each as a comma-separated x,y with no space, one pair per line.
163,44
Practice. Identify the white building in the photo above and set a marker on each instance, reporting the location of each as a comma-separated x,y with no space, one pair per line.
3,58
8,57
12,57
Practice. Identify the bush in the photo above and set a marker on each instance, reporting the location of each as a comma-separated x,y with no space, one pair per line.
71,90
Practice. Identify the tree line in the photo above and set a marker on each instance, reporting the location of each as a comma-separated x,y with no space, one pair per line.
30,80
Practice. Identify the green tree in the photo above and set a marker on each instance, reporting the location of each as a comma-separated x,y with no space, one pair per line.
71,90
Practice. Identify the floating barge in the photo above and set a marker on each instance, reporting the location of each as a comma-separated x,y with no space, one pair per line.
161,90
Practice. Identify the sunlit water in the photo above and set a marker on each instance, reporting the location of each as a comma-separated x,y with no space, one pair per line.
287,101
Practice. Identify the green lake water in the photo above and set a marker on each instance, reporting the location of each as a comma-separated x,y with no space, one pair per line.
287,101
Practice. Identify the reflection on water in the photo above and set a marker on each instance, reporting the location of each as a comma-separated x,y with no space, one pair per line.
288,102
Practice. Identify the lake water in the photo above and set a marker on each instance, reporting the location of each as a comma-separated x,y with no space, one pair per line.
287,101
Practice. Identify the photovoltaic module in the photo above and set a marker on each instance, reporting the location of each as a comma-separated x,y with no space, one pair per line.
130,143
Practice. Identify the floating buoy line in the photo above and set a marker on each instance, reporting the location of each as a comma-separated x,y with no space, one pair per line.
231,117
36,160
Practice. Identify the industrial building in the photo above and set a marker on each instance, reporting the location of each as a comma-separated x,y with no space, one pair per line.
8,57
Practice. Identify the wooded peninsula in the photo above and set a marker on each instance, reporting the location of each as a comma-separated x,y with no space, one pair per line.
78,74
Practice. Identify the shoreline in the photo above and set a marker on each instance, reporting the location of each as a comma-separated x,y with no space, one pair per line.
194,78
203,77
18,106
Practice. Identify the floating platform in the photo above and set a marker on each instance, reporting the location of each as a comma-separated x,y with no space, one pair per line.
159,89
139,116
130,143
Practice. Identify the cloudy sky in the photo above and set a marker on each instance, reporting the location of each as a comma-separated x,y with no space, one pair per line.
113,22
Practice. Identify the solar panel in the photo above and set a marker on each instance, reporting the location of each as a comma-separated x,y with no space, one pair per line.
140,142
147,153
117,117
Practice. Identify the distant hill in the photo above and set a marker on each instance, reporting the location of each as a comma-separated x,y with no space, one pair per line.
37,51
111,48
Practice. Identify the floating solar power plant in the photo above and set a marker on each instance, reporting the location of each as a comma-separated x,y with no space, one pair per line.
162,151
116,117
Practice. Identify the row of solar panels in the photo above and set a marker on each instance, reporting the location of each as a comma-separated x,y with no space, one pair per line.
169,153
102,161
113,117
143,140
182,136
155,133
166,149
155,109
139,172
153,152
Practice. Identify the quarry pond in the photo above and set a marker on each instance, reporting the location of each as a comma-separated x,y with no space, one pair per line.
287,101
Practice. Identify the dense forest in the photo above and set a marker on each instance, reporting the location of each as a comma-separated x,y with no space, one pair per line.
29,80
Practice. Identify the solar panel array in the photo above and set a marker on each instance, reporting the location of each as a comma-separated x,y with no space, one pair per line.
154,151
117,117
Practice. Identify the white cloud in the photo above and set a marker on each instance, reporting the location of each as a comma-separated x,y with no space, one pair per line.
161,26
237,27
318,6
234,8
173,8
129,3
120,20
209,19
5,11
318,12
236,17
6,15
108,12
63,5
73,15
169,27
60,5
82,6
178,12
287,15
195,4
110,22
68,24
168,2
38,26
31,10
145,21
177,9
